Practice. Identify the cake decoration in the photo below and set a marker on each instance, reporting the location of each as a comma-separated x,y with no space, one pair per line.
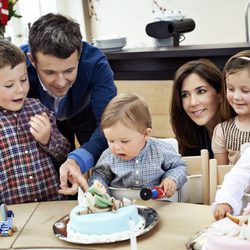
97,200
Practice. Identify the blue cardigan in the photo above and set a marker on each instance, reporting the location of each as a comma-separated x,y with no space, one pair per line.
94,87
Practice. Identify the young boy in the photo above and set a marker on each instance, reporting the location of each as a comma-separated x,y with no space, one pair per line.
29,138
133,158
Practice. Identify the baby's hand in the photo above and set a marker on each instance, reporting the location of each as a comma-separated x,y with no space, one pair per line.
40,128
169,186
221,210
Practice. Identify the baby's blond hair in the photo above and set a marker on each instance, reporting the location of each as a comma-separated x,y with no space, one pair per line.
129,109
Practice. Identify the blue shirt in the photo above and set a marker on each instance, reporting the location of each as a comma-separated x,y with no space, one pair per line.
156,161
93,88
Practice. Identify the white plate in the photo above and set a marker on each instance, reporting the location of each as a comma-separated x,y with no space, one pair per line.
148,217
116,49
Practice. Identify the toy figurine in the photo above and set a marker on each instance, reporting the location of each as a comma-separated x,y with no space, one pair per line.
6,224
97,200
152,193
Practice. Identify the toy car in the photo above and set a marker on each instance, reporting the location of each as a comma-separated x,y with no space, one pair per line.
6,224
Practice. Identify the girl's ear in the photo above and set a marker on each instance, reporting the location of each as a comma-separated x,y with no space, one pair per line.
31,59
148,132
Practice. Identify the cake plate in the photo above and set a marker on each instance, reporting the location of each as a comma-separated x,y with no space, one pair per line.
148,216
198,240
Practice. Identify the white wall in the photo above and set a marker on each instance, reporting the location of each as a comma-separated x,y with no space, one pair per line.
31,10
217,21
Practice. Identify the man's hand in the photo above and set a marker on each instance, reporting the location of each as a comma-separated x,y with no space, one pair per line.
40,128
70,171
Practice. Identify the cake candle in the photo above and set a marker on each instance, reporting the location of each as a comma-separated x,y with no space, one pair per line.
133,243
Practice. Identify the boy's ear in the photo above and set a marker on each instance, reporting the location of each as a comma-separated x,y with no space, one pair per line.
148,133
31,59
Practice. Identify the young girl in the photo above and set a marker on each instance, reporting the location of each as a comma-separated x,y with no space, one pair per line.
228,198
196,105
133,158
232,136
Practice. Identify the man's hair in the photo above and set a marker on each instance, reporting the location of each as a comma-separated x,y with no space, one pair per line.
10,54
56,35
129,109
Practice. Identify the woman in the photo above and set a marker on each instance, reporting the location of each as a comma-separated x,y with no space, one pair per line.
195,108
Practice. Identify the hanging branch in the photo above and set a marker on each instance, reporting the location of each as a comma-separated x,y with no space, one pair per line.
159,7
92,11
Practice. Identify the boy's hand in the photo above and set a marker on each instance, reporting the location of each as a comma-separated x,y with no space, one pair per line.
40,128
169,186
221,210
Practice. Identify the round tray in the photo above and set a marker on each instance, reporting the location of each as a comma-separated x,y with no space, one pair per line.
147,214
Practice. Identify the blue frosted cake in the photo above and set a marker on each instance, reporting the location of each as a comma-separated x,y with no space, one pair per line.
101,217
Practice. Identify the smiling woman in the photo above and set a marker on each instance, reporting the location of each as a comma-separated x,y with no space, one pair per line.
195,108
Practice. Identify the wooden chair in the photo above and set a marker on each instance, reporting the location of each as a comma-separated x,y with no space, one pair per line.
216,176
197,187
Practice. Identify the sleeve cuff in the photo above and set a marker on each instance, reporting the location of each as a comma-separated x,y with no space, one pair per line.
83,158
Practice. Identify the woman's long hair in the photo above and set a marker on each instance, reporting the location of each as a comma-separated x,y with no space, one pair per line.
187,132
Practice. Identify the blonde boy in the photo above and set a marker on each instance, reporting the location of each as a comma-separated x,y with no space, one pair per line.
133,158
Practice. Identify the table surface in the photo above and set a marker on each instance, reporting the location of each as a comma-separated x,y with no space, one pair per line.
178,221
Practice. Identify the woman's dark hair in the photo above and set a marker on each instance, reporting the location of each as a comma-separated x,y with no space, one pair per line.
187,132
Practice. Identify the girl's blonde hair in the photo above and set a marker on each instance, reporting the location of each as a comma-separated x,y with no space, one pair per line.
129,109
237,62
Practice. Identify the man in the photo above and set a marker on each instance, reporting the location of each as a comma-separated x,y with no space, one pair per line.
73,79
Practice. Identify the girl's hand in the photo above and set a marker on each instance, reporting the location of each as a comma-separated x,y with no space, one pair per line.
221,210
40,128
169,186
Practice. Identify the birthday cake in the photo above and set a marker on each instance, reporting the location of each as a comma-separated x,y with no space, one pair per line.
99,217
230,233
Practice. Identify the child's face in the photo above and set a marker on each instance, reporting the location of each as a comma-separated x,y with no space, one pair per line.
14,87
124,142
200,100
238,91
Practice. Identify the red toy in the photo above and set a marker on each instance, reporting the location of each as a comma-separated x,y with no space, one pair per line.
152,193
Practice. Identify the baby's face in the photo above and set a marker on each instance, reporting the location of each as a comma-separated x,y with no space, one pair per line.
14,87
124,142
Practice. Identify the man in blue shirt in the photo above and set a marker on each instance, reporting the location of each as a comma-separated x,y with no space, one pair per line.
73,79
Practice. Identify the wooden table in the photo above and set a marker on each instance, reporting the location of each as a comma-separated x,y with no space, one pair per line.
178,221
22,213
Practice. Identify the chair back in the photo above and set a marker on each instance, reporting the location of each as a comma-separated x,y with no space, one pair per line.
197,187
216,176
